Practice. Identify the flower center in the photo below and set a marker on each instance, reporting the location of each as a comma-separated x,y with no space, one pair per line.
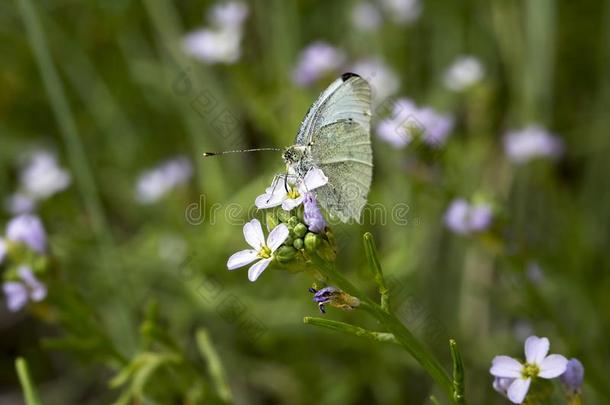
293,194
530,370
265,252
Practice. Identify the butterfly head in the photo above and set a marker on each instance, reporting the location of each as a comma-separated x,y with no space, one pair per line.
294,154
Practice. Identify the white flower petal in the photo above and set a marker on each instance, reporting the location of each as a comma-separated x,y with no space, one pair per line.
291,203
518,390
313,179
277,236
257,268
507,367
536,349
553,366
268,200
241,258
253,232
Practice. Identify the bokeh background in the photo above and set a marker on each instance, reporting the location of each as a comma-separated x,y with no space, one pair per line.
115,101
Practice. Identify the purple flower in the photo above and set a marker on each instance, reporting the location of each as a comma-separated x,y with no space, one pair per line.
573,377
19,292
20,203
501,385
315,61
230,15
408,120
383,80
27,229
402,11
311,215
42,177
465,218
153,184
530,143
463,73
334,297
366,17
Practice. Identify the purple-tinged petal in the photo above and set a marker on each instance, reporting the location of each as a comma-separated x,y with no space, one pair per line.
536,349
253,233
277,236
518,390
507,367
553,366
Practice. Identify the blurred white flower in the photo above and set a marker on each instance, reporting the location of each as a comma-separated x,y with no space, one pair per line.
316,60
19,203
42,177
153,184
222,42
463,73
172,249
531,142
383,80
402,11
19,292
290,196
366,17
27,229
261,250
2,250
408,120
537,364
465,218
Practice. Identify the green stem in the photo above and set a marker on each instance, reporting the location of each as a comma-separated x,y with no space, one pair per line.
29,392
458,373
215,367
404,337
350,329
371,255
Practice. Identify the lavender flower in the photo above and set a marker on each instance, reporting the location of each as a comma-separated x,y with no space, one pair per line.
463,73
27,229
366,17
531,142
334,297
573,377
311,214
2,250
20,203
153,184
383,80
222,42
19,292
408,120
315,61
402,11
464,218
42,177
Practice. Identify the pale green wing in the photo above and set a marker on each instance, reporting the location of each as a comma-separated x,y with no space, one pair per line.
343,151
348,97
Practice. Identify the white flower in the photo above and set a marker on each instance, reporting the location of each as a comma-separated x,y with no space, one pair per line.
158,181
384,81
537,364
366,17
42,177
261,250
463,73
316,60
229,15
531,142
19,292
290,196
19,203
27,229
2,250
402,11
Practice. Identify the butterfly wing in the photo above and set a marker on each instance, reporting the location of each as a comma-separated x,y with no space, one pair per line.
347,97
337,131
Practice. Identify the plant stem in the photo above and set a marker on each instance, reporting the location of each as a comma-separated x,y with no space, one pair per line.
215,367
458,373
29,392
371,255
350,329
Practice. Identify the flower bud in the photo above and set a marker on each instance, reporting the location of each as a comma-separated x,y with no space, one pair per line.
285,254
300,230
312,241
298,244
271,219
573,377
335,298
292,222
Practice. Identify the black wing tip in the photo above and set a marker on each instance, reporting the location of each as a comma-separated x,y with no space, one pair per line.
346,76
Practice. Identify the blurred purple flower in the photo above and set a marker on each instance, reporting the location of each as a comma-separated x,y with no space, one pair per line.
402,11
20,203
27,229
501,385
408,120
366,17
2,250
463,73
311,215
383,80
19,292
465,218
573,377
531,142
230,15
42,177
316,60
153,184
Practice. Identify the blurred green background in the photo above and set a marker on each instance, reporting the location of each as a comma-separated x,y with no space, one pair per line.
119,95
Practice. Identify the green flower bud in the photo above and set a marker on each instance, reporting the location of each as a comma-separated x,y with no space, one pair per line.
285,254
283,216
289,240
300,230
298,244
271,219
292,222
312,241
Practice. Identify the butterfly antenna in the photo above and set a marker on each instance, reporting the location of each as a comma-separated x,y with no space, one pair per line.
206,154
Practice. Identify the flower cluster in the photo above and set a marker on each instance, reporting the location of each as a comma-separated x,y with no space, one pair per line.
296,227
40,177
222,42
408,121
22,252
513,378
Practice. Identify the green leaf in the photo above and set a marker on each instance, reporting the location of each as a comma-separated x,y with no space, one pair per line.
29,392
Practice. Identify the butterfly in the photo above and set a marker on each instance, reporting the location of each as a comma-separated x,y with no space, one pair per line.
335,137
